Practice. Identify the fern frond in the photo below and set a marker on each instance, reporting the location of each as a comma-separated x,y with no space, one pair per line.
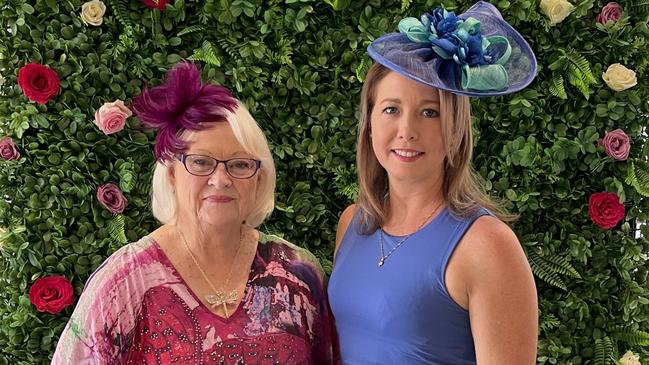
143,186
549,322
139,231
206,54
556,87
577,79
118,7
562,266
638,176
116,229
640,9
545,271
231,48
583,65
633,337
604,352
192,29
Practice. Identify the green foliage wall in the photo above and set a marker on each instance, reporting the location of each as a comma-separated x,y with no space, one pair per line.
298,65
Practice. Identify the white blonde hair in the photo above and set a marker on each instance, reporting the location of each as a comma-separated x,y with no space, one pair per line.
252,138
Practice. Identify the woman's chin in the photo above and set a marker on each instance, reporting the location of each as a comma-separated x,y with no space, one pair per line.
219,219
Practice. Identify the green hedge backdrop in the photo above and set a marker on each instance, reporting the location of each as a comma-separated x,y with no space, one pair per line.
298,65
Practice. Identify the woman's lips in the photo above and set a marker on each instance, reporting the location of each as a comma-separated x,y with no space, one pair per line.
406,155
219,199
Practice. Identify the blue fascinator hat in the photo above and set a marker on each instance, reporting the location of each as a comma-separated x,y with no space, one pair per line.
476,53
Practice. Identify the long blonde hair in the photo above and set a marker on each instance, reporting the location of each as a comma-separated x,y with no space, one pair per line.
462,187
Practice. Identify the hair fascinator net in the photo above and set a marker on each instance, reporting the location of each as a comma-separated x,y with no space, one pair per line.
476,53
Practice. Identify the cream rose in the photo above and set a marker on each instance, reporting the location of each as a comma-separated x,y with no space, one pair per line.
92,12
556,10
630,358
619,78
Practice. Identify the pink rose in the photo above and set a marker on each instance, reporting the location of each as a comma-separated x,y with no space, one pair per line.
111,117
111,198
611,12
8,150
616,144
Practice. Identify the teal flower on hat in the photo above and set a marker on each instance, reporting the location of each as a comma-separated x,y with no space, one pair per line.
481,58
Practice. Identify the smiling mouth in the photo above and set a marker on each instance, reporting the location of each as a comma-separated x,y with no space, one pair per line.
407,154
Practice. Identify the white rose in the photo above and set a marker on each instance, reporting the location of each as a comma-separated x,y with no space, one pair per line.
630,359
92,12
556,10
2,80
619,78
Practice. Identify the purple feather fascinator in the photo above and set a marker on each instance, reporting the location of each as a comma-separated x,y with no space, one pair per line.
182,102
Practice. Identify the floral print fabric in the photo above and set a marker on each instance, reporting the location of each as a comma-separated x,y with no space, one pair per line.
136,309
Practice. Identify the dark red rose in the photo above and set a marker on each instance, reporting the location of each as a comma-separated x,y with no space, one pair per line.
111,198
605,209
38,82
51,294
156,4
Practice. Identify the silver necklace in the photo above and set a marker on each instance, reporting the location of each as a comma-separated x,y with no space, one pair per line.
384,257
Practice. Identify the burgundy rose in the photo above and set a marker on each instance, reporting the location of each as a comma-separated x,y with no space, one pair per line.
51,294
605,209
111,198
616,144
611,12
8,150
156,4
38,82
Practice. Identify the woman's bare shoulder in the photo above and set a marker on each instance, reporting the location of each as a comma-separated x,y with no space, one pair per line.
343,224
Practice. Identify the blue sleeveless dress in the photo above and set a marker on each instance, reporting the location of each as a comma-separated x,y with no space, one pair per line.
401,313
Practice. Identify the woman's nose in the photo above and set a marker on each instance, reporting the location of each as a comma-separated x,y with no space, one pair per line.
220,177
407,129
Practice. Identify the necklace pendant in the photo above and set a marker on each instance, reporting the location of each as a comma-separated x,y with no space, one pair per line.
220,298
382,261
214,300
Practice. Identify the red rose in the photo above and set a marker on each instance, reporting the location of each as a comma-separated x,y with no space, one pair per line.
51,294
605,209
38,82
111,198
156,4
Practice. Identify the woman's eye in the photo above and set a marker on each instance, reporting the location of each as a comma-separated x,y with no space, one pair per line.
241,165
200,162
389,110
430,113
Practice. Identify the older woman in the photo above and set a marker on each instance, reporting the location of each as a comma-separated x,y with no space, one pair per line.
206,287
426,272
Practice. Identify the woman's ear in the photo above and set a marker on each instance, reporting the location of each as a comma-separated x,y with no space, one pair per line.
171,174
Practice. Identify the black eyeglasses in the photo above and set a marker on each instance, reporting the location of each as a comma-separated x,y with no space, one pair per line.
238,168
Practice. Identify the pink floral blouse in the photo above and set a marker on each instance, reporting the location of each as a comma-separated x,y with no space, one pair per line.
136,309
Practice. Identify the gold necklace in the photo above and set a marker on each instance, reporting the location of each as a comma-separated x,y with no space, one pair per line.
219,298
399,243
